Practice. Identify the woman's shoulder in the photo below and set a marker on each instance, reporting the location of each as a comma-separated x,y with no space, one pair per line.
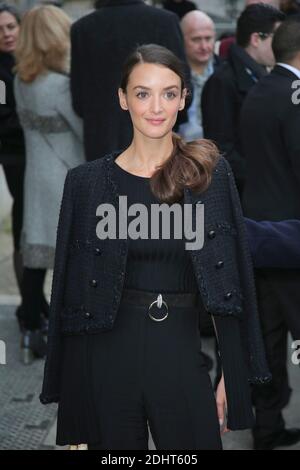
59,82
222,167
50,84
221,173
94,168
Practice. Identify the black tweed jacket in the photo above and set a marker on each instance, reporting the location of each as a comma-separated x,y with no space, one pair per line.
89,272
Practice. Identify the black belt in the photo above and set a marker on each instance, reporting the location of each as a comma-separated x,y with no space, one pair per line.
158,304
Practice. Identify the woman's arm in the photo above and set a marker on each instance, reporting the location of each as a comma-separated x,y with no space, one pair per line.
221,398
51,383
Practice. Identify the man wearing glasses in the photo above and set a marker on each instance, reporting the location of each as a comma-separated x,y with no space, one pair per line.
226,89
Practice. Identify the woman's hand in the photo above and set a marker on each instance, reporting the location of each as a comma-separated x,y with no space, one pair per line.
222,405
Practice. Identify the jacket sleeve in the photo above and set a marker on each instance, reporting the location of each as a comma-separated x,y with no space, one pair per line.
274,244
51,382
250,324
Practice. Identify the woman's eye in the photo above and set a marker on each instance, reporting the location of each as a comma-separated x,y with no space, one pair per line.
170,95
142,94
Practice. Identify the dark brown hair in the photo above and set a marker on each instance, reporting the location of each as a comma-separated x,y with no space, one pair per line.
190,164
286,40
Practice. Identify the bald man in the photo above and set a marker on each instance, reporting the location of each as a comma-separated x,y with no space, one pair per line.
199,38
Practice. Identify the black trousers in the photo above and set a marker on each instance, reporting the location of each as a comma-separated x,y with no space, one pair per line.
278,294
14,175
141,372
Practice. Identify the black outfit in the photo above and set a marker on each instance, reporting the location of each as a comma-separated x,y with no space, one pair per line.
12,147
222,99
156,371
179,8
88,287
101,42
271,145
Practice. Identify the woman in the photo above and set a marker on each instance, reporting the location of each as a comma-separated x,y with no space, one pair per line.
124,343
12,148
53,137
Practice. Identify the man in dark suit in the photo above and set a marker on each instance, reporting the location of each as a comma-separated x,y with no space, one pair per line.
226,89
101,42
270,123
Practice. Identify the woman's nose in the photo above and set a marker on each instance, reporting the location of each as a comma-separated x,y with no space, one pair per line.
156,105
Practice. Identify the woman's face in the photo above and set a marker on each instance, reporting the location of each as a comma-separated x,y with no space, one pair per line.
153,99
9,31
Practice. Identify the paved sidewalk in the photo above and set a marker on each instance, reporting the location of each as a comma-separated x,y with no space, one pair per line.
24,422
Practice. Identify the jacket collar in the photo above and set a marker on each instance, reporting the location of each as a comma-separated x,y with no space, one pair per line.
279,70
246,69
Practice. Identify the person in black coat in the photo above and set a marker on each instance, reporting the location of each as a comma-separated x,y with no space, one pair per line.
12,145
226,89
100,43
124,346
269,130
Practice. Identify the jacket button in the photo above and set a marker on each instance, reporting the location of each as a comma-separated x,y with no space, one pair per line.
220,264
88,315
97,251
211,234
93,283
228,296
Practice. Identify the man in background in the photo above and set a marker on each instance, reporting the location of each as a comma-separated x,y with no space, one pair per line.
226,89
199,39
269,129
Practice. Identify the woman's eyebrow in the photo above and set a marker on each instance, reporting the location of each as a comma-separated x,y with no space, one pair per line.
147,88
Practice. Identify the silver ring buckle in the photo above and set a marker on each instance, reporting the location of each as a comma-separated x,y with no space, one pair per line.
160,302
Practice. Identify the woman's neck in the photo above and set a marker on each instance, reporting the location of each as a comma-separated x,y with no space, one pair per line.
143,156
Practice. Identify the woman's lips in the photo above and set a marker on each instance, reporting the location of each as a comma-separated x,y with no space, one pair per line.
156,122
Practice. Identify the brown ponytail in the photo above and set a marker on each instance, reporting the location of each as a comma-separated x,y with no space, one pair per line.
190,165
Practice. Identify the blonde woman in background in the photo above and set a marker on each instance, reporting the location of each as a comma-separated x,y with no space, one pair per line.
53,137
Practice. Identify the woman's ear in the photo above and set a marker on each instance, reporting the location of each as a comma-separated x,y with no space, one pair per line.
122,100
182,99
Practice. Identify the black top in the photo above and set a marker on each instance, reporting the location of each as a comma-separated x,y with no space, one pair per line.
162,264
